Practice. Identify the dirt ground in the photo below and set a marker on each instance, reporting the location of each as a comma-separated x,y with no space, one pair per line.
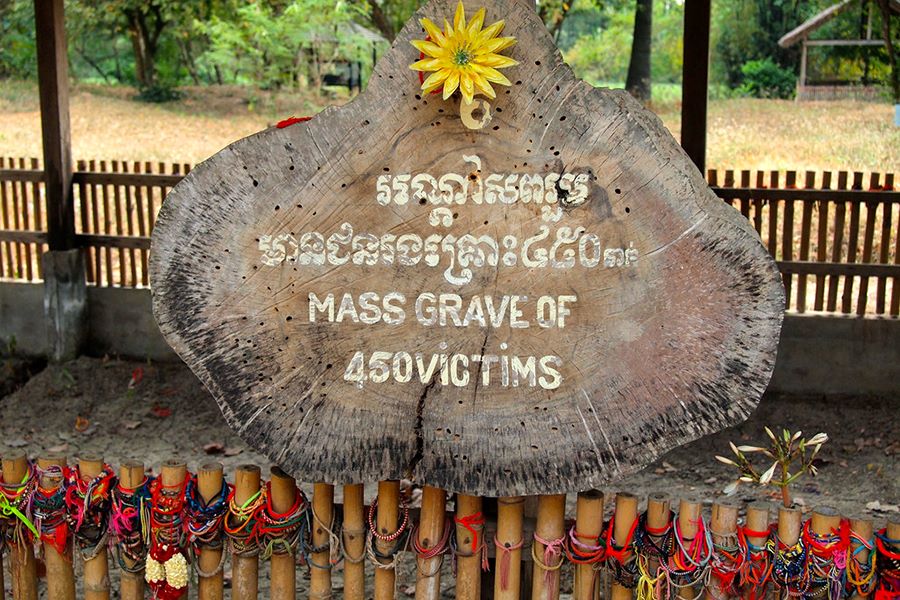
131,410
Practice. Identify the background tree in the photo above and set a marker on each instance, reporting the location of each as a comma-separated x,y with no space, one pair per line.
638,81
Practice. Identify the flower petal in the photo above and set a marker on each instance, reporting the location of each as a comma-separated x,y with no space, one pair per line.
459,19
428,48
492,75
434,32
482,85
427,64
497,61
490,31
467,87
495,45
435,80
451,84
476,23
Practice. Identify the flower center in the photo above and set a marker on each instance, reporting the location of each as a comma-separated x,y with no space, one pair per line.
462,57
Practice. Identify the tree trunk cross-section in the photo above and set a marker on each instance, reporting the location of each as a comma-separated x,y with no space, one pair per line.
543,305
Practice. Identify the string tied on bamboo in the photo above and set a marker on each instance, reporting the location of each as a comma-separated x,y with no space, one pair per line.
206,522
242,524
474,524
888,565
334,545
506,551
437,550
389,559
284,532
653,544
88,505
689,564
861,574
129,524
16,526
166,569
790,571
827,556
756,566
620,558
49,509
726,562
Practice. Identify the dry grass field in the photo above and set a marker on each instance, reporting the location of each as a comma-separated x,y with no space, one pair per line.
743,133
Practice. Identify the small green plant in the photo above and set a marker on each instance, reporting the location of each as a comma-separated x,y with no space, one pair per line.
158,94
792,456
765,79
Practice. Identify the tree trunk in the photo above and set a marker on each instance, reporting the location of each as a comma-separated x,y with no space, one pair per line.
889,46
638,80
381,21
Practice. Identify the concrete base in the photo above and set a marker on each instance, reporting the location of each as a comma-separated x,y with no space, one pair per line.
65,303
818,354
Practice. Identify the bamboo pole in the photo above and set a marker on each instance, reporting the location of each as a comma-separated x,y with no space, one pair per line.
22,566
283,575
430,533
354,534
723,527
245,569
547,560
757,520
60,574
131,585
470,545
171,476
323,521
96,569
386,523
658,511
864,528
626,513
588,526
211,583
688,526
509,540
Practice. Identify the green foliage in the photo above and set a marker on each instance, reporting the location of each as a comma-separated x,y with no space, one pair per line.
603,55
17,48
765,79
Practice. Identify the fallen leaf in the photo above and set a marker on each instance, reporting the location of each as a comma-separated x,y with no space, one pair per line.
877,506
17,443
131,425
81,424
214,448
668,468
58,449
710,480
233,451
408,590
136,377
161,412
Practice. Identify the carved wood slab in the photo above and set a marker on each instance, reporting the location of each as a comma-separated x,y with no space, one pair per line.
545,304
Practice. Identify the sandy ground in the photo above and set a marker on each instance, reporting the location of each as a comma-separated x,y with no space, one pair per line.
130,410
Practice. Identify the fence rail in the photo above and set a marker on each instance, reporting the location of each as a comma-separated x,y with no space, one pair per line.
179,530
834,234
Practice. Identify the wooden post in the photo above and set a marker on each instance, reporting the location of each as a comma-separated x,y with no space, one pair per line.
96,569
354,532
60,572
283,573
864,529
323,521
22,567
507,575
695,80
245,569
386,523
172,475
211,584
758,521
470,545
131,585
723,527
688,526
626,513
588,526
548,559
801,81
658,511
432,526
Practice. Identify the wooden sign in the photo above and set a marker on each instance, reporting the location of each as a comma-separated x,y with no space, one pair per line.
527,294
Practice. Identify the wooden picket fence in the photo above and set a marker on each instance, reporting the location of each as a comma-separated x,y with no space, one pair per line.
179,530
834,235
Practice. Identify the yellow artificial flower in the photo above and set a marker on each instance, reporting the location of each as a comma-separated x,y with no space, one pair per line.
464,56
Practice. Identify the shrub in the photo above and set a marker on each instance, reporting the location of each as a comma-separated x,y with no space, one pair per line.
764,79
